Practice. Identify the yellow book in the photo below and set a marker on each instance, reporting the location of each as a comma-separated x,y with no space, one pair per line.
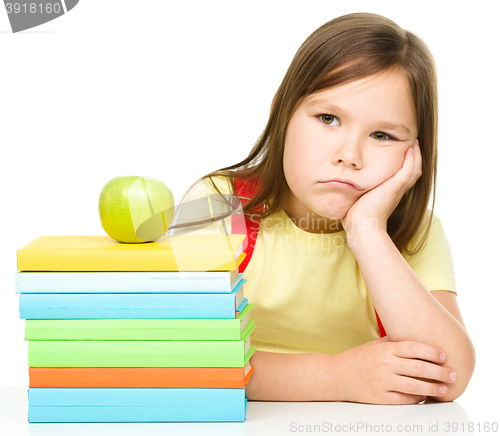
101,253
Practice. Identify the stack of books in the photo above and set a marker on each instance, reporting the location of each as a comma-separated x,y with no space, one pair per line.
156,332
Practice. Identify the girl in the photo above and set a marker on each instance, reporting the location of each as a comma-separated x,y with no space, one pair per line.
351,273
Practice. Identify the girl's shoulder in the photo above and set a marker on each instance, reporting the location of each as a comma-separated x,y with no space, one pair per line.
431,256
432,236
208,186
223,184
204,206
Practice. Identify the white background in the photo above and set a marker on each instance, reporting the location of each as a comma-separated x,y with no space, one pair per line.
177,89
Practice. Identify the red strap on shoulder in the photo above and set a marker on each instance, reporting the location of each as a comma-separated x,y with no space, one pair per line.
380,326
245,189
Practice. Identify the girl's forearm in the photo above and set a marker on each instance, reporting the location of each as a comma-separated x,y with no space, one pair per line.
407,309
292,377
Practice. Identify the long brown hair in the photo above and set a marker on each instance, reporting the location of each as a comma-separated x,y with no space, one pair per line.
342,50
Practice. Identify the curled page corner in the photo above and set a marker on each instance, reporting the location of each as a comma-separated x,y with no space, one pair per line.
209,214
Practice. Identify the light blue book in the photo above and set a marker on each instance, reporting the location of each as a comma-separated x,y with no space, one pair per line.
132,306
126,282
136,405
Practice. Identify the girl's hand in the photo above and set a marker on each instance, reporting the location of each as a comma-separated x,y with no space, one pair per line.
380,202
384,372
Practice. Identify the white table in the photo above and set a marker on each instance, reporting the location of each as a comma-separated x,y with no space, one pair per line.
281,418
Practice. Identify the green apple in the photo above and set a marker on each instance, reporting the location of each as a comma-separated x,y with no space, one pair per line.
135,209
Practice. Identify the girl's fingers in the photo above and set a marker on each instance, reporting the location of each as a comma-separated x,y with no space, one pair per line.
409,385
426,370
418,159
407,173
418,350
414,168
400,398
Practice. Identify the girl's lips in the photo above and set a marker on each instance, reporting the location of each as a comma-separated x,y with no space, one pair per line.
341,185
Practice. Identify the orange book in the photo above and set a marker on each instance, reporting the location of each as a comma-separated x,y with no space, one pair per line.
140,377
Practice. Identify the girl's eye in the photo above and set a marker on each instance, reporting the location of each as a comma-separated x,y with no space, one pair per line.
381,136
329,119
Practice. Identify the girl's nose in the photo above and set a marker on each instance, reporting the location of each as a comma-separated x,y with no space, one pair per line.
347,153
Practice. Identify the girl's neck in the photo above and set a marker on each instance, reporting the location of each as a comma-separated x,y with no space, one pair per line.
308,221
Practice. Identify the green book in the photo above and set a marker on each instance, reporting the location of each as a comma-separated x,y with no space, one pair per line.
189,354
141,329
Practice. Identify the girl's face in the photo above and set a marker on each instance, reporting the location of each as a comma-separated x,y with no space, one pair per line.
358,131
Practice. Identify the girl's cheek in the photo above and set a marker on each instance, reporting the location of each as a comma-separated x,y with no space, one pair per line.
393,162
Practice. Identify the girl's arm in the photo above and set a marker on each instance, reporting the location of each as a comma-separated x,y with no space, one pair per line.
408,311
369,373
292,377
406,308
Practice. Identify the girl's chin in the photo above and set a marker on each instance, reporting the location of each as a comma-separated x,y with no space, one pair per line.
333,212
333,219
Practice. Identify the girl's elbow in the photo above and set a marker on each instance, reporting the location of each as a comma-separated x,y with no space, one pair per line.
464,375
469,365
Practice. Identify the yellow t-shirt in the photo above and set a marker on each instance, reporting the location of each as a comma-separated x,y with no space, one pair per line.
308,289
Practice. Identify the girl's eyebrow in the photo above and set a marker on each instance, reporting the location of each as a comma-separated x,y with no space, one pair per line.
394,126
327,106
337,110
